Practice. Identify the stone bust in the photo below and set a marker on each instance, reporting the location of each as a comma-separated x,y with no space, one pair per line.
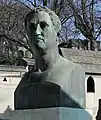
56,82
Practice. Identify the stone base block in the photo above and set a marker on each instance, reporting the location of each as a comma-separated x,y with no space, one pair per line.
58,113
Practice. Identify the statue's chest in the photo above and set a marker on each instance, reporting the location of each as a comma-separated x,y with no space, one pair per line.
53,76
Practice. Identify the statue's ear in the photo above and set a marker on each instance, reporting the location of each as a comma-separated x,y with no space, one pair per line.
58,33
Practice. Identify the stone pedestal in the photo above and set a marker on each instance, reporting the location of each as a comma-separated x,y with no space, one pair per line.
59,113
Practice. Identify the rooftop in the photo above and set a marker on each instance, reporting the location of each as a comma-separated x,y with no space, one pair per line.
90,60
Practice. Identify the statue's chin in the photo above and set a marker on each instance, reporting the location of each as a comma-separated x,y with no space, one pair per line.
41,45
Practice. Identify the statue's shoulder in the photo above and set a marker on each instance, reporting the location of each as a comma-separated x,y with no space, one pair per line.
27,76
69,64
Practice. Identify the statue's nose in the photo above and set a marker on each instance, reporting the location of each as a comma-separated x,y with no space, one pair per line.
38,29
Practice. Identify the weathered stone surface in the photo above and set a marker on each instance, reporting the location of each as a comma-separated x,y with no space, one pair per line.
58,113
55,89
56,81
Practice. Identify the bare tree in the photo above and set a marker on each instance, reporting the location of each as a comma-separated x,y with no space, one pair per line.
79,17
86,18
12,23
76,18
12,28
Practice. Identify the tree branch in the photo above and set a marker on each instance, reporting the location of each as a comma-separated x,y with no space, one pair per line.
65,19
55,6
92,15
99,32
84,14
34,5
35,2
23,4
13,40
44,2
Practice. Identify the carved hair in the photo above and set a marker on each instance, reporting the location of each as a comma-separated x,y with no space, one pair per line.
54,18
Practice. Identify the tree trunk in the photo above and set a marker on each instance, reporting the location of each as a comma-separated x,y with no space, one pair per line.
93,45
44,2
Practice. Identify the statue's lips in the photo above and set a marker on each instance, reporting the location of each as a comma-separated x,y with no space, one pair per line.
39,39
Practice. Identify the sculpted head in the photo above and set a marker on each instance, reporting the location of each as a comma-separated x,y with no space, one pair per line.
42,26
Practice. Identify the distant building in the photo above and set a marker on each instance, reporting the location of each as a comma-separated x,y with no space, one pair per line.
79,44
10,77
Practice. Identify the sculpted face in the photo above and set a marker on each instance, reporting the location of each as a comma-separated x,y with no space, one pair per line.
42,33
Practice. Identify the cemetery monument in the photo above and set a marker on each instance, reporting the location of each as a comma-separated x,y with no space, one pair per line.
55,81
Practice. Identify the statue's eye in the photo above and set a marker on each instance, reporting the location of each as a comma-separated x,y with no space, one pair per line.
32,26
43,25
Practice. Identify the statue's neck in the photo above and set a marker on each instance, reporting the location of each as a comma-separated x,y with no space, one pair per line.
47,61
